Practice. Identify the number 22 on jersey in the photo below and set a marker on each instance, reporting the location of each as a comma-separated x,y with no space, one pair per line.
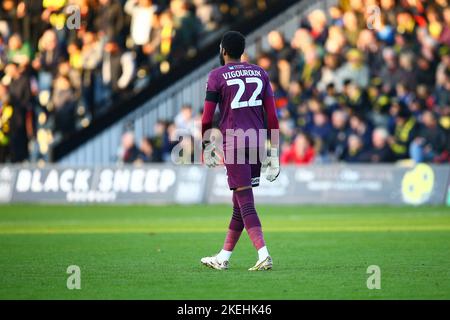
252,102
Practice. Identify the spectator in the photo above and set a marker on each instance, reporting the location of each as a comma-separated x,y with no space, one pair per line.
300,152
380,102
430,141
337,142
425,72
404,132
356,99
91,55
370,47
142,14
318,21
336,16
354,149
118,69
330,99
6,114
407,73
21,121
129,153
311,68
47,60
380,151
18,51
278,48
351,27
3,53
184,121
390,72
161,46
354,69
173,138
160,140
442,94
321,130
444,37
110,19
282,53
146,153
188,28
63,103
361,128
328,73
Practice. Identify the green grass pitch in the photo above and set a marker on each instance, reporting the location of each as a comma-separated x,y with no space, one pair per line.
153,252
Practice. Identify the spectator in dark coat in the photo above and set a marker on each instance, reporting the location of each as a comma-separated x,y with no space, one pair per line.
21,123
337,142
110,18
354,149
380,152
430,141
146,153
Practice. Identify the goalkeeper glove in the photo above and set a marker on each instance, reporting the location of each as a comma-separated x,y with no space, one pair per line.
272,165
210,154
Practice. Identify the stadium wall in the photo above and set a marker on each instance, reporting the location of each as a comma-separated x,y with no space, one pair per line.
421,184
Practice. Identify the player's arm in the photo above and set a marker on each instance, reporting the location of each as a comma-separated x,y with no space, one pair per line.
211,100
272,162
207,118
272,121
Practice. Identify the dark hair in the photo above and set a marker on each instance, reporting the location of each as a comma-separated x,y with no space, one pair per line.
309,138
347,82
148,140
234,44
404,113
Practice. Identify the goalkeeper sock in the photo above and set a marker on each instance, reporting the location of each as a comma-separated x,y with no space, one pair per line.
250,217
235,228
231,239
256,235
263,253
224,255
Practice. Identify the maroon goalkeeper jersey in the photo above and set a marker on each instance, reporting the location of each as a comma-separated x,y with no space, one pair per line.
240,89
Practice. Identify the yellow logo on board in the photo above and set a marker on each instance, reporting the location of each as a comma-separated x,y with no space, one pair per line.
417,184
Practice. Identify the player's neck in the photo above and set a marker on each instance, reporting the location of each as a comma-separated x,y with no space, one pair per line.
233,61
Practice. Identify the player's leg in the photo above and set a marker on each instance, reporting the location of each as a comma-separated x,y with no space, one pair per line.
234,232
236,174
253,226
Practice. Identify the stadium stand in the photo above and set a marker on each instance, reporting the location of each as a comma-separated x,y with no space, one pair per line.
59,77
348,87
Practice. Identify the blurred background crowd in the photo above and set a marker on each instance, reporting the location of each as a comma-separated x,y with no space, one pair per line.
349,86
63,62
347,91
357,89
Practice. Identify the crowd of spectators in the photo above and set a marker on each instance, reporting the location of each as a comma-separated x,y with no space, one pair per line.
63,62
356,89
350,85
184,131
347,91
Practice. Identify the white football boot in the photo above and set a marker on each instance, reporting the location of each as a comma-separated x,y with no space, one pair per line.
212,262
266,264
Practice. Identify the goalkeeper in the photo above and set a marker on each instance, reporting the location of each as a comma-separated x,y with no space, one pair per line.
244,96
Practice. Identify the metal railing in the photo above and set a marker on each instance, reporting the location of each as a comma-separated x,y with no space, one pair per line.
103,148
